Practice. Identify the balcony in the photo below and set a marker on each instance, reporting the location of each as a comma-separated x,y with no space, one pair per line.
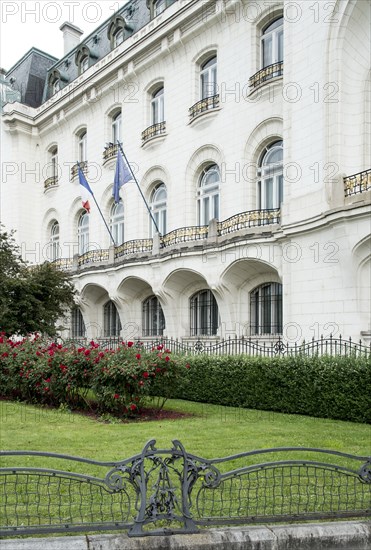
185,234
110,152
357,183
50,183
192,234
267,73
75,169
203,106
245,220
153,131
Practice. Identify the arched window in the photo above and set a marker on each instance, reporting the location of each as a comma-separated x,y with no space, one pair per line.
53,157
208,195
153,319
272,43
270,177
117,222
83,233
157,106
56,86
112,323
208,78
204,314
54,242
84,64
77,324
118,37
116,128
82,141
266,309
158,209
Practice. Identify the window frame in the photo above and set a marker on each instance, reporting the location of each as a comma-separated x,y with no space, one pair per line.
78,328
82,145
274,36
153,318
203,305
208,199
117,223
270,174
158,106
266,309
208,77
158,209
116,126
111,320
54,241
83,233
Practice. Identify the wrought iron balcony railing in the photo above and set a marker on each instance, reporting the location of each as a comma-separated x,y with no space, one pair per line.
75,169
153,131
94,256
357,183
267,73
110,151
133,247
51,182
244,220
63,263
206,104
185,234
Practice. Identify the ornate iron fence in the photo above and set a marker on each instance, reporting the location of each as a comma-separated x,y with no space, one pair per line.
153,131
267,73
248,346
357,183
165,491
206,104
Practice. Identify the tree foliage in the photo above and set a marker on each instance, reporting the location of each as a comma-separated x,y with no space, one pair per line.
32,298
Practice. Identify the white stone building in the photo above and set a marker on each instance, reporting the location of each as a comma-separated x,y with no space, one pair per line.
247,124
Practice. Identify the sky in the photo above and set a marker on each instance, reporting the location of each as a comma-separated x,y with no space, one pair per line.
27,23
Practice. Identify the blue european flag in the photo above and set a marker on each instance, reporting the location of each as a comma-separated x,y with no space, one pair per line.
122,175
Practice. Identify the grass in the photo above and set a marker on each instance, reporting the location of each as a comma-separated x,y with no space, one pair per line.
211,431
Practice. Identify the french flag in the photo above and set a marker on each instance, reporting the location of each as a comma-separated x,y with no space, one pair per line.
86,192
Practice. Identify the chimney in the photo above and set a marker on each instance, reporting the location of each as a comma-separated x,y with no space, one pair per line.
71,36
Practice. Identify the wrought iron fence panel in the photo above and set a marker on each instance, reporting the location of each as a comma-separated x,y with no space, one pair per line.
165,491
236,346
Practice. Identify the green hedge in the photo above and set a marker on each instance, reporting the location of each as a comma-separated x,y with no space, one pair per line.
329,387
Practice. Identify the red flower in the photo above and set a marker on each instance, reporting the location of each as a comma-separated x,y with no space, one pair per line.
138,356
167,358
145,374
87,352
141,383
160,347
5,354
133,407
188,366
130,344
158,369
47,380
116,396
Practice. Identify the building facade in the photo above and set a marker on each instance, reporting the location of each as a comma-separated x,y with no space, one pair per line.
247,125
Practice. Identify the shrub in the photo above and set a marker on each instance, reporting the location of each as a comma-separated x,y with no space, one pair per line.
325,386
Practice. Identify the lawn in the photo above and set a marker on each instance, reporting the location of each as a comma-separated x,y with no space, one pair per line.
212,431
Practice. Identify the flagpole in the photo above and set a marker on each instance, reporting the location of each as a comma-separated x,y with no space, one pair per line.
100,212
140,191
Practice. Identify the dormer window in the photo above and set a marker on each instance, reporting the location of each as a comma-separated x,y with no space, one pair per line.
84,57
84,65
56,81
118,30
118,38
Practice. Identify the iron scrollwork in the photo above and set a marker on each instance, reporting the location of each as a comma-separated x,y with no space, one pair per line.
163,482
